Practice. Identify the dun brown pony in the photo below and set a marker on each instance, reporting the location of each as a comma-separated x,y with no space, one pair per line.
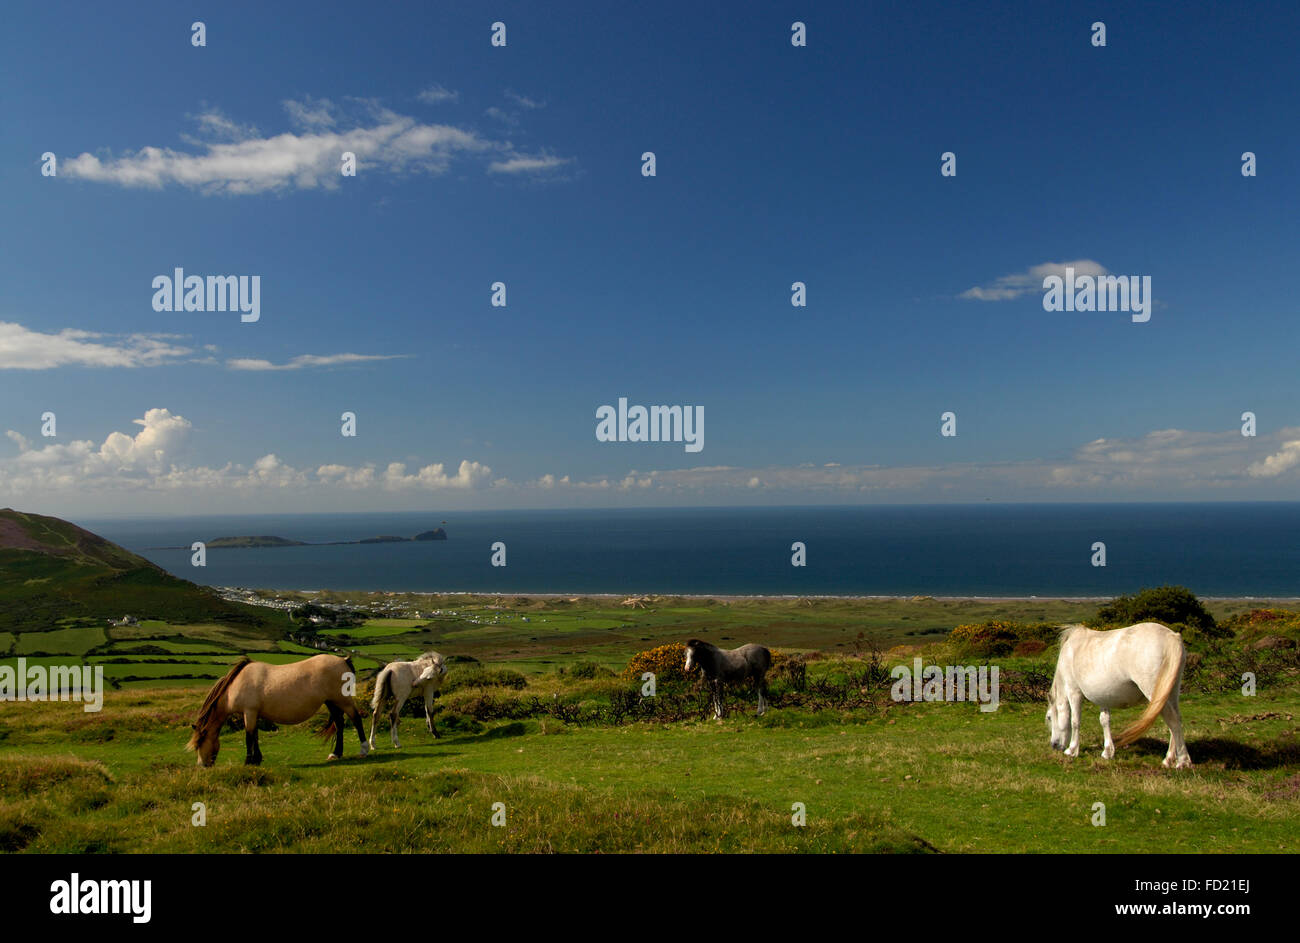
283,694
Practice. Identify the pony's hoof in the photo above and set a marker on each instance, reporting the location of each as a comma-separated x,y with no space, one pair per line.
365,751
331,757
1108,754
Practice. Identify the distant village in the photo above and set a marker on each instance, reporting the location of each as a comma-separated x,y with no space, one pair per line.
330,614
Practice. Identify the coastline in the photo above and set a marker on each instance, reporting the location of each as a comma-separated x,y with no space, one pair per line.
731,597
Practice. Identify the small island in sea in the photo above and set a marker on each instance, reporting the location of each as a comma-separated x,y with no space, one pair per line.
255,542
266,541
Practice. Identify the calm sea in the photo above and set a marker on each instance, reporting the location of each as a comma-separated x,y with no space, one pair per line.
937,550
979,550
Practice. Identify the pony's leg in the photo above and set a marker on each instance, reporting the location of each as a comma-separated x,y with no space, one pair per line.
374,722
1108,749
1076,712
397,712
336,718
350,708
762,690
717,699
428,717
252,754
1177,755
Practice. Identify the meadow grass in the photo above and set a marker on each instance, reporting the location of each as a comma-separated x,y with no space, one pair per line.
914,777
908,777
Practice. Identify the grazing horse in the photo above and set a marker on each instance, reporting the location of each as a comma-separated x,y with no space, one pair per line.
747,663
282,694
398,680
1118,668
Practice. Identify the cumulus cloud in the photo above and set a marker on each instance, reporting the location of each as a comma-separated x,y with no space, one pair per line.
153,460
1030,280
130,459
1159,464
1281,461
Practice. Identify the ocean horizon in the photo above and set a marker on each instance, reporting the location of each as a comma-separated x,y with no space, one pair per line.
963,550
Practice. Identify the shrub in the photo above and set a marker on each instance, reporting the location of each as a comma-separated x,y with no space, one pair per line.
586,671
999,637
668,662
792,670
1030,647
484,678
1165,604
1258,624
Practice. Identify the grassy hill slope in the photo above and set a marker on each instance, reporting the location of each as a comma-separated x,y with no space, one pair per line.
52,571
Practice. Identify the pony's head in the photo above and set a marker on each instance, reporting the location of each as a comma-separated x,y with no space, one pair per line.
690,654
205,738
436,660
206,742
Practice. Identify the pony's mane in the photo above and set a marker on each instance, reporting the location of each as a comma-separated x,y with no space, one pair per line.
207,712
1069,630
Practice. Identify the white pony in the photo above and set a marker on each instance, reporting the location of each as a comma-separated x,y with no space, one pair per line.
398,680
1118,668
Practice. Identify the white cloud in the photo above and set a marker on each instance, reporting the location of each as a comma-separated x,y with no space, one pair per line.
1031,280
151,460
432,477
25,349
382,140
436,94
214,123
308,360
1159,464
527,164
524,102
1283,460
1162,464
311,114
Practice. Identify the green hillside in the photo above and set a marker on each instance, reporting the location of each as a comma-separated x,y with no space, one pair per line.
52,571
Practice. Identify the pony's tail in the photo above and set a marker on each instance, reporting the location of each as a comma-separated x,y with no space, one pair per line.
383,687
332,727
1171,669
210,702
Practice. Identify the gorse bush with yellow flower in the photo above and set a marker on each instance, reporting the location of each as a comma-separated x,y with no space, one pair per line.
667,662
999,637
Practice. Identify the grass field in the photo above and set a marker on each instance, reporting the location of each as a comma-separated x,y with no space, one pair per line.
880,776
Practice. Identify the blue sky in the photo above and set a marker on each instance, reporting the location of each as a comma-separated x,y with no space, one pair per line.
522,164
